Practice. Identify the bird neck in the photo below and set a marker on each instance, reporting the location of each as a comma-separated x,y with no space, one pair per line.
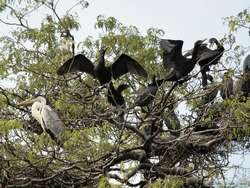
121,88
195,52
36,110
101,59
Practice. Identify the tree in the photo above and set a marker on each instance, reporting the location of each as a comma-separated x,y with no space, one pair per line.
96,147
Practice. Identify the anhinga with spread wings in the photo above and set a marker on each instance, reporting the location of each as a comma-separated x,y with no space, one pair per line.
104,74
178,65
47,117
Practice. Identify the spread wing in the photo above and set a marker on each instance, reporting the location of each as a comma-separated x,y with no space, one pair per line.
125,64
52,123
208,55
172,52
168,44
78,63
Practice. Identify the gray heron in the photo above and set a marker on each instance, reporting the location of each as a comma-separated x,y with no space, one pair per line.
102,73
227,87
46,117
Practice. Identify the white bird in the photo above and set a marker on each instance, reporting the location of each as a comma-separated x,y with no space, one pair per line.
47,117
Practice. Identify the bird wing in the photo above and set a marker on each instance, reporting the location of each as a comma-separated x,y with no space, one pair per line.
125,64
208,54
52,123
78,63
171,76
168,44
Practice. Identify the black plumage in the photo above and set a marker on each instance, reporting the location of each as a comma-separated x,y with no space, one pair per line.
206,56
178,65
104,74
114,96
147,95
227,87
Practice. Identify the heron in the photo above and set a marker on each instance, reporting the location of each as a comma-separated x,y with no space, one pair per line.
173,60
246,74
246,65
114,96
102,73
171,121
242,86
147,95
227,88
46,117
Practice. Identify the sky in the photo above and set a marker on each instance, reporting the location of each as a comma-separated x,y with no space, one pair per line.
188,20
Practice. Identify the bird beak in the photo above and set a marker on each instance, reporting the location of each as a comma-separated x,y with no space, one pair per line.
203,40
27,102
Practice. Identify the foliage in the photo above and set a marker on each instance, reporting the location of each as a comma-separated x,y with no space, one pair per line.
96,148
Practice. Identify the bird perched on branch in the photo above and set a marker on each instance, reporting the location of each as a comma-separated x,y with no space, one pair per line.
246,74
147,95
124,64
227,88
206,57
46,117
178,65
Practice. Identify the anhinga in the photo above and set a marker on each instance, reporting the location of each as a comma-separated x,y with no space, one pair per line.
178,65
104,74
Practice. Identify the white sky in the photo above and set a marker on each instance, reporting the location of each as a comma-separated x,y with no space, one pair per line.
188,20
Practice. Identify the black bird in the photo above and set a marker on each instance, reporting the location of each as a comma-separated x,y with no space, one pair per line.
147,95
210,96
114,96
206,57
227,88
104,74
174,61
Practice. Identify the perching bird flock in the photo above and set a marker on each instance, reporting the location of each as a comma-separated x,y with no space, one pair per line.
177,65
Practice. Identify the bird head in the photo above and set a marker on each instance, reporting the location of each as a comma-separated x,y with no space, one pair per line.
30,101
213,41
199,42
